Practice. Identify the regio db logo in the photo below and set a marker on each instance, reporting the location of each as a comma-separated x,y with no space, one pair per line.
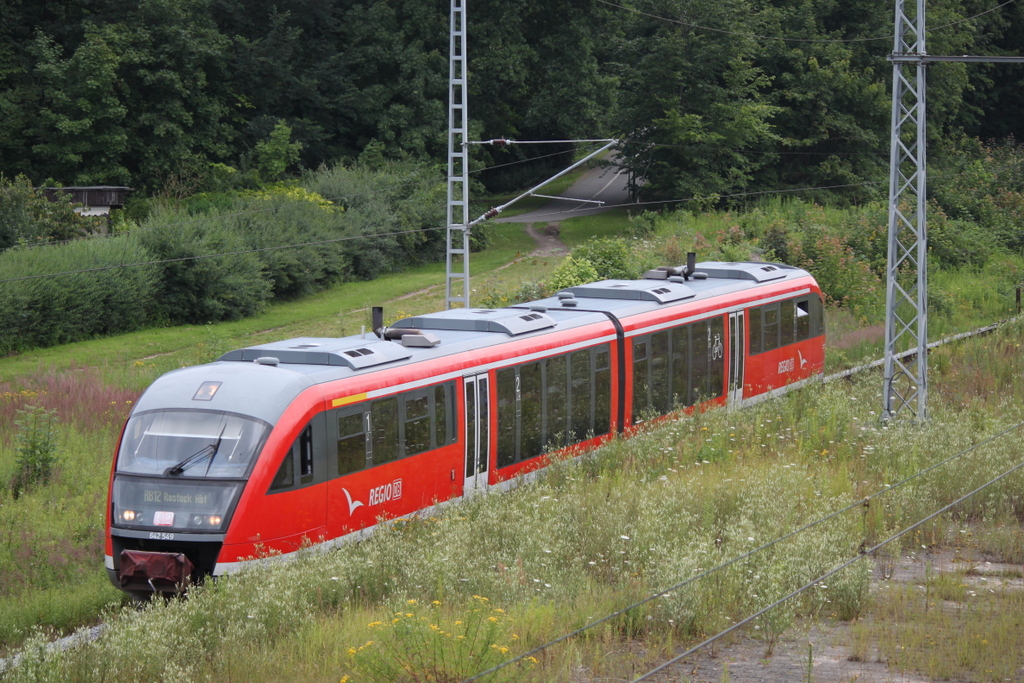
385,493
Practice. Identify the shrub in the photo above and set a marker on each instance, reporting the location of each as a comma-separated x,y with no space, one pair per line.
571,272
36,448
400,204
96,297
195,288
611,257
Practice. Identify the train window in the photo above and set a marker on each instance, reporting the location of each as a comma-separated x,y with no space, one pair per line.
352,442
556,398
582,408
754,323
660,399
602,391
304,446
550,404
384,421
508,408
531,442
817,316
417,422
771,327
700,346
285,477
786,325
641,382
803,319
679,343
442,430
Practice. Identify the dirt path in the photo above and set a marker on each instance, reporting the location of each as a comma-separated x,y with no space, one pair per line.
547,240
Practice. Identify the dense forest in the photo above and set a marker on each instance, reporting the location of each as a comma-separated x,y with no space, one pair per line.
712,97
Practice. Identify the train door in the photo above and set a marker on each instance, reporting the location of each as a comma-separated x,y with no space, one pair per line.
478,439
735,359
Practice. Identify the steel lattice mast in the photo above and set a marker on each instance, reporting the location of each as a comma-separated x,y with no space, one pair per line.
906,296
457,231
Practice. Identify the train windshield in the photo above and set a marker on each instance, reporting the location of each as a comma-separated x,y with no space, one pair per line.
190,443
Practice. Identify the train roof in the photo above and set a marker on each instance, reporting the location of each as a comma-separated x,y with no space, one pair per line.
262,380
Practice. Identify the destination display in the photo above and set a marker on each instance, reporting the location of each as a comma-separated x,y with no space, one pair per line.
183,506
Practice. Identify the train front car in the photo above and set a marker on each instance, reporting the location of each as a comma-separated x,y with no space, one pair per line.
185,456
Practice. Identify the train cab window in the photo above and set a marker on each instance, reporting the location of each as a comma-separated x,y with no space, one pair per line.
285,477
771,327
817,316
754,323
299,465
384,445
352,442
304,446
417,422
803,319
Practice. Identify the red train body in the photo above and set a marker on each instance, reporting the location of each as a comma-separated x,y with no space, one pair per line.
314,441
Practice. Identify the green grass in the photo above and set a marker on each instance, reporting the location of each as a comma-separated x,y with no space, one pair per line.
587,538
576,231
684,495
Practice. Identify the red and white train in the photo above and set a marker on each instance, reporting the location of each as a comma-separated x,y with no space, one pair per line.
314,441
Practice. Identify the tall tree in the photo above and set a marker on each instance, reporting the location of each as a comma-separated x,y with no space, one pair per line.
691,99
77,132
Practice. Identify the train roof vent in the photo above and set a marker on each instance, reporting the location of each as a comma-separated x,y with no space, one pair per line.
510,321
353,353
758,272
641,290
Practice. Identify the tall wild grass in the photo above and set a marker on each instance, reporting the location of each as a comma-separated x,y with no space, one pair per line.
594,535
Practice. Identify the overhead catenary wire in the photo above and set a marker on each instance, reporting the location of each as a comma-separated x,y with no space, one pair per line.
738,558
787,39
867,552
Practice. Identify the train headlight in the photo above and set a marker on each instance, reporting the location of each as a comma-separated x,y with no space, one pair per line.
215,520
128,515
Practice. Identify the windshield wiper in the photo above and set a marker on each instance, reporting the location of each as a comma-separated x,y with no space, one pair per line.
208,451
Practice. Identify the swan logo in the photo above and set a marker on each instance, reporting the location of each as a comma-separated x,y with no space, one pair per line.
352,504
803,361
